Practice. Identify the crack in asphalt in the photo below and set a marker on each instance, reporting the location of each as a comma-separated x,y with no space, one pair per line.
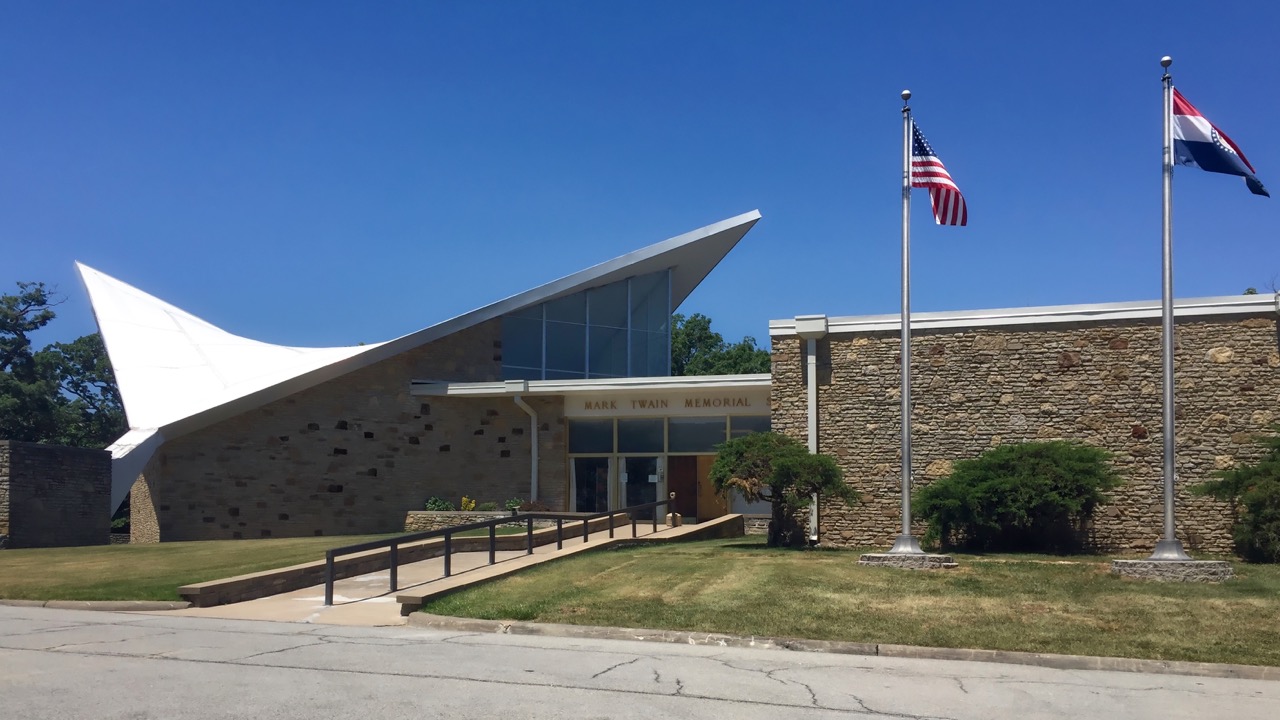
615,667
483,681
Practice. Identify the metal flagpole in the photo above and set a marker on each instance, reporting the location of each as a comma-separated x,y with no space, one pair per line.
906,544
1169,547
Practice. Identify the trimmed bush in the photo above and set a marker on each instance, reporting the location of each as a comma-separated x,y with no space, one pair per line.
487,506
777,468
1029,497
1254,492
513,504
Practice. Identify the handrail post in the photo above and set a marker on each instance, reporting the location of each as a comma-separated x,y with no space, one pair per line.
529,536
328,578
611,516
586,529
632,515
493,529
559,533
655,518
448,548
395,557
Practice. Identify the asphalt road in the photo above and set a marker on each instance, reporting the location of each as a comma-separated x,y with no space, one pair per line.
109,666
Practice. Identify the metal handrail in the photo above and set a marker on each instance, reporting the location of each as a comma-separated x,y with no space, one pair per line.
447,533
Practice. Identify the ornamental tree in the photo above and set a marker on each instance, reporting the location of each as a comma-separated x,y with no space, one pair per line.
778,469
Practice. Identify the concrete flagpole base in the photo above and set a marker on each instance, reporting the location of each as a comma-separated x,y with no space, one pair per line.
909,562
906,553
1205,571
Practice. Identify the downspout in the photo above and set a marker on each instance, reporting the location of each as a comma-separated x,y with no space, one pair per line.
812,328
533,440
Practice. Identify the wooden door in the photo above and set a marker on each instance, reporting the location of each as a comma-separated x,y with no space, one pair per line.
710,503
682,479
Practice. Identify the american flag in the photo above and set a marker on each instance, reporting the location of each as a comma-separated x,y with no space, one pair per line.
927,172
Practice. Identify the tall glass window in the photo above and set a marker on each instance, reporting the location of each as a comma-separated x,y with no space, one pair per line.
622,329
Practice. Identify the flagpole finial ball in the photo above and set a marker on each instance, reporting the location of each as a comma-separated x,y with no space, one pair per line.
1166,61
906,95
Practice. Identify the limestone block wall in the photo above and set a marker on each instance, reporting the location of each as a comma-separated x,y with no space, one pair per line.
1097,382
353,454
54,496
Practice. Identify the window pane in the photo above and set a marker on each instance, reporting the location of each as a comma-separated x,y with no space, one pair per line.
591,436
608,352
747,424
649,299
695,434
564,375
640,354
566,347
640,436
609,305
519,373
521,342
659,354
572,309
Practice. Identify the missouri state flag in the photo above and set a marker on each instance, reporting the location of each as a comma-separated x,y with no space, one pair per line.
1199,143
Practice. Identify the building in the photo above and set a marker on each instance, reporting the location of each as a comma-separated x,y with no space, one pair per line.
563,394
560,394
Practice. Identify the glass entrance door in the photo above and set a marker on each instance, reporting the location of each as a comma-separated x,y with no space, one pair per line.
641,482
591,482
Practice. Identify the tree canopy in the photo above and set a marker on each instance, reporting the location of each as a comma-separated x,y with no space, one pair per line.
696,349
64,393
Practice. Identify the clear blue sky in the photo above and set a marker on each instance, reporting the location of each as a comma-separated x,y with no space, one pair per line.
318,173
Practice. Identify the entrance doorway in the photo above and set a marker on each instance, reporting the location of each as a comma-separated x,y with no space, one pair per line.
641,482
591,482
688,477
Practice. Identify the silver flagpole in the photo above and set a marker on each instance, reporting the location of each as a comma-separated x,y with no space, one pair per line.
1168,548
906,544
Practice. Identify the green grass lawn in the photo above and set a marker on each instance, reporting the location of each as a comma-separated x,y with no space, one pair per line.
149,572
1027,603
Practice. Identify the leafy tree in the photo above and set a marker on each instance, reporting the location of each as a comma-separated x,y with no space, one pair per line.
696,349
779,469
1024,497
65,393
1254,492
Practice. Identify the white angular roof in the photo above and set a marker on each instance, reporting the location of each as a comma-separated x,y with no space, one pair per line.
178,373
170,364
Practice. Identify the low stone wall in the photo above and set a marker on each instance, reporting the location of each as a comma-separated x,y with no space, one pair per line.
756,524
54,496
424,520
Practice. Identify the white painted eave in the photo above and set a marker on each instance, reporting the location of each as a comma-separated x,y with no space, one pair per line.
617,386
1044,315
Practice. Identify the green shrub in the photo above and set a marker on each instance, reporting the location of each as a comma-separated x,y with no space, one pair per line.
513,504
439,505
1254,492
487,506
1029,497
777,468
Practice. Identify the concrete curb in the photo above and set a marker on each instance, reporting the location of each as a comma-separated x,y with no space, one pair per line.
103,605
1059,662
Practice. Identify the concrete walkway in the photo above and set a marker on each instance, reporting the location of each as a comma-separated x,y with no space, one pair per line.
366,600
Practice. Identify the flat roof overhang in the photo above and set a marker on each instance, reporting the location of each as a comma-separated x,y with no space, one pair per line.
621,386
1045,315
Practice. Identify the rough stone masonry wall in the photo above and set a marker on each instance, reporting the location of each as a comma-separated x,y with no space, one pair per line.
54,496
1094,382
353,454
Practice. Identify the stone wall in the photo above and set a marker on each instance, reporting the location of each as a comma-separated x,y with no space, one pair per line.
424,520
353,454
54,496
1096,382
